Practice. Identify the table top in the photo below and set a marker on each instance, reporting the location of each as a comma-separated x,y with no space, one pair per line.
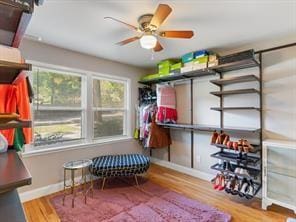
77,164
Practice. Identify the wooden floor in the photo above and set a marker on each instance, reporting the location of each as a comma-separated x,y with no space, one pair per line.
40,209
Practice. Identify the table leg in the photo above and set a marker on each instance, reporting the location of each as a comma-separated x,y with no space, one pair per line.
91,185
103,184
84,184
73,187
136,180
64,187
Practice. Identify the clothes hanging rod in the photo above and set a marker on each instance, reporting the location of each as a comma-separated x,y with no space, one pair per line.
276,48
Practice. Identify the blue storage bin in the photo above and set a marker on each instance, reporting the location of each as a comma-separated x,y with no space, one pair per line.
200,53
188,57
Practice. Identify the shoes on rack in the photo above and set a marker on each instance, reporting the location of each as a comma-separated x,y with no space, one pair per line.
220,139
236,186
226,139
243,187
214,137
216,181
235,145
241,171
240,145
247,147
251,190
222,183
228,186
229,144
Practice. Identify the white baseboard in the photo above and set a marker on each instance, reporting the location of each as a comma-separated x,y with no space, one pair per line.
44,191
182,169
53,188
40,192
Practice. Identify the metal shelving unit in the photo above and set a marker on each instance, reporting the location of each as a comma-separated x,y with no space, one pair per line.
250,161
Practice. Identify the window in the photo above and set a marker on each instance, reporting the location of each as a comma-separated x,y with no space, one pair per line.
70,107
57,107
109,107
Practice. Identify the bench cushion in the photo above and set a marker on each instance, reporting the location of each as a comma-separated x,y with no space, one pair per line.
120,165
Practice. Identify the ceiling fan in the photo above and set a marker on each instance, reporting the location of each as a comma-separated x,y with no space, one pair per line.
148,29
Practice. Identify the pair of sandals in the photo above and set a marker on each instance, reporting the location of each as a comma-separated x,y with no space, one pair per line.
219,182
243,188
221,138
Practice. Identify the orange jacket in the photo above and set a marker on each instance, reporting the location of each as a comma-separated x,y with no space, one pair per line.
15,99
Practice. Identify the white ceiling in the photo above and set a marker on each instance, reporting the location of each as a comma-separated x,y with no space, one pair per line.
221,24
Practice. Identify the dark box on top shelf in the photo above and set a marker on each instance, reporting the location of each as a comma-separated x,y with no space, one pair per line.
248,54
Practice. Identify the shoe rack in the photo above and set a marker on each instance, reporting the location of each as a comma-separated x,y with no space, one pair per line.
251,161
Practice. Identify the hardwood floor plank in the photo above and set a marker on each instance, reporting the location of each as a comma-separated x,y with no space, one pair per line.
40,209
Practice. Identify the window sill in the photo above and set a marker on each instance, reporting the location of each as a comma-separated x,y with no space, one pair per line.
63,148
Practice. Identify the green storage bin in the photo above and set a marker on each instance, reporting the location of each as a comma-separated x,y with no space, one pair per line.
164,70
178,65
166,63
201,60
188,57
150,77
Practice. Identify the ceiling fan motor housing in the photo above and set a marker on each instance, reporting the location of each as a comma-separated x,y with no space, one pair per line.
144,23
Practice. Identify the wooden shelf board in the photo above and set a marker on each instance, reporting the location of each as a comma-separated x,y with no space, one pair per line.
233,80
234,92
242,64
179,76
9,71
15,124
235,108
209,128
18,174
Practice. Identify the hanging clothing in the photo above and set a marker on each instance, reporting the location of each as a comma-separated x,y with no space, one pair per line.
166,103
15,99
159,137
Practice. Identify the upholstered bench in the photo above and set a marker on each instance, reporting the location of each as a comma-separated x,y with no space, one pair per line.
119,165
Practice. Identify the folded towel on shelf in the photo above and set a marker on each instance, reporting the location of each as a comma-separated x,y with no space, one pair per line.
10,54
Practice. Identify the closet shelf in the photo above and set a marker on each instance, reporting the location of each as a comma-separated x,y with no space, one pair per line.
235,108
209,128
235,92
179,76
15,17
256,147
9,71
253,173
245,160
242,64
232,80
15,124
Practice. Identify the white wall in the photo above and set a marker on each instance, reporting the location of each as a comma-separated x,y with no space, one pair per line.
47,169
279,109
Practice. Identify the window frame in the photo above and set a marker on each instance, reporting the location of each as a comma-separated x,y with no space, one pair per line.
87,109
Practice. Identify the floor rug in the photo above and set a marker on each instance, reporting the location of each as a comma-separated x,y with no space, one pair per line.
121,201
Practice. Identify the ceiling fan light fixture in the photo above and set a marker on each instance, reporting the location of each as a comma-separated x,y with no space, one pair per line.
148,41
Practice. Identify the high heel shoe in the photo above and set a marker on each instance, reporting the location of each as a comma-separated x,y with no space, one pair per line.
247,147
222,183
226,139
216,181
236,186
214,137
243,188
229,144
251,190
235,146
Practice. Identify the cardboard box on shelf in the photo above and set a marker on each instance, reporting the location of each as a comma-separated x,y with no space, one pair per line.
200,66
186,69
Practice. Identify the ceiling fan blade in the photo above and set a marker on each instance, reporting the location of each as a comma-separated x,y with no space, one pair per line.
126,41
160,15
128,25
158,47
177,34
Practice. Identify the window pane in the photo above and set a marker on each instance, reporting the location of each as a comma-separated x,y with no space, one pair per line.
108,123
108,94
53,89
56,126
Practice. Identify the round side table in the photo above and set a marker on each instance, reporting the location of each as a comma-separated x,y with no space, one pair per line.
73,166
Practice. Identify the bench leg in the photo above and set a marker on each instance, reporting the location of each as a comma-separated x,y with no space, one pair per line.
103,183
136,179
